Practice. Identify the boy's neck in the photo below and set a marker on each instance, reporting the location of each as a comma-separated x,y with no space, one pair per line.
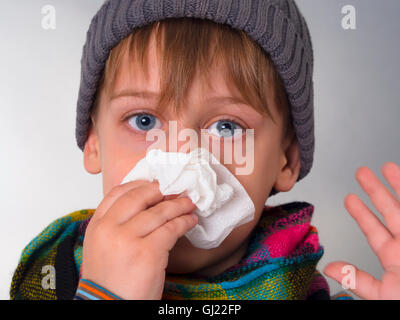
226,263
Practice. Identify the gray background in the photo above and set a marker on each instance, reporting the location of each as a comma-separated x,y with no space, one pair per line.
357,112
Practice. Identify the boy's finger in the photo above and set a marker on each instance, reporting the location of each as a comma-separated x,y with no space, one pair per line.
166,236
374,230
149,220
391,172
132,202
353,279
113,195
382,199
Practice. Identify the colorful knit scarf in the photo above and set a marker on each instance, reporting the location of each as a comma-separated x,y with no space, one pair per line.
279,263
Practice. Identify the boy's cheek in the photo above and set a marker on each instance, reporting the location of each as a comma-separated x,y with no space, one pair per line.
256,186
116,167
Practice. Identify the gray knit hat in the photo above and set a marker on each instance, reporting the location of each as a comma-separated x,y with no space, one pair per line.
277,25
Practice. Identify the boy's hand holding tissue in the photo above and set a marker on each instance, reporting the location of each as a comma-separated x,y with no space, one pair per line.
128,239
165,196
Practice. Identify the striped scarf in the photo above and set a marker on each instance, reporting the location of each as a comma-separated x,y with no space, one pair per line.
279,263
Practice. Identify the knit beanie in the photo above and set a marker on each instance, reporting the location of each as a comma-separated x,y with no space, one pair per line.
276,25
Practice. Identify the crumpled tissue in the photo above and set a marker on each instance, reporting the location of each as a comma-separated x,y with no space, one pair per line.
222,202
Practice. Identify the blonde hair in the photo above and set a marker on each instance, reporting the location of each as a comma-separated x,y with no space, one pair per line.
187,45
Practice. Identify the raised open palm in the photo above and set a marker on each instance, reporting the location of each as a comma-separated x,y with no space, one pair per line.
383,240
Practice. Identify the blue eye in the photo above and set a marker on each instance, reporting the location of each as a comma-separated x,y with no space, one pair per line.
144,122
225,129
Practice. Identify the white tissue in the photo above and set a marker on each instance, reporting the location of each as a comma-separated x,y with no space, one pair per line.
222,202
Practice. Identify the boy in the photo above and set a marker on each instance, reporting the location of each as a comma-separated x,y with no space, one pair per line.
234,64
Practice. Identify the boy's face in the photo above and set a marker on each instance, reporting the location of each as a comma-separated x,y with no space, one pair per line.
117,143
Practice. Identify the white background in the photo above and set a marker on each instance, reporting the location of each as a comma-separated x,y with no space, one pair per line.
357,113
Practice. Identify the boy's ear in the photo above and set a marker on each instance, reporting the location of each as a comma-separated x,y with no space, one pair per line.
91,153
289,168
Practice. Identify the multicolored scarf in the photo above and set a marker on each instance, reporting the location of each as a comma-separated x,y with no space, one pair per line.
279,263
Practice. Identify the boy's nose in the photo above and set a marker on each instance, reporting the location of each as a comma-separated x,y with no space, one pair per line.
182,137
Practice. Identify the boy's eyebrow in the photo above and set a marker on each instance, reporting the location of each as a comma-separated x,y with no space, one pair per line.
149,95
215,100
